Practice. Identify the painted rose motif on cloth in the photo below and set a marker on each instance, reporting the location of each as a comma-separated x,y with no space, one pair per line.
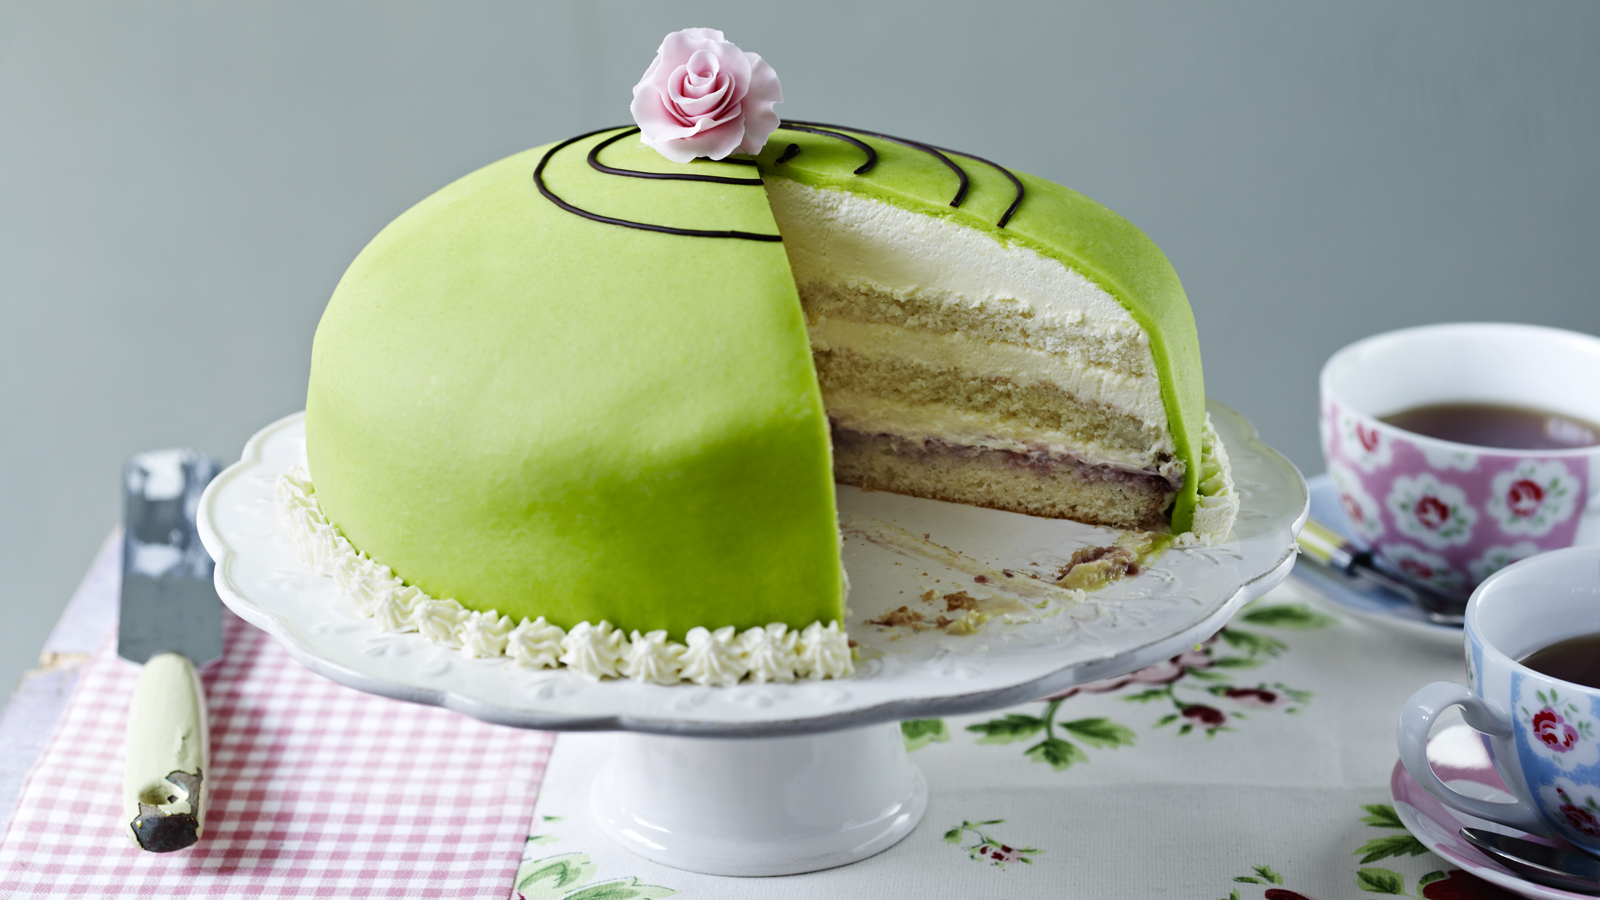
1364,445
1498,557
1557,729
1577,805
1533,498
1257,698
1446,458
1427,568
1431,511
1359,508
703,96
988,849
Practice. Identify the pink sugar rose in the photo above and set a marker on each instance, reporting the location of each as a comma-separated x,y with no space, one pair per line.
703,96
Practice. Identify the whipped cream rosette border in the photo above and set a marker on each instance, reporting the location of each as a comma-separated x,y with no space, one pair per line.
719,658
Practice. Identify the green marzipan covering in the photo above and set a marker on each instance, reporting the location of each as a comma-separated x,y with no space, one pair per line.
1054,221
519,408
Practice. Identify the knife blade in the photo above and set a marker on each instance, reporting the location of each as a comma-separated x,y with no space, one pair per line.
171,622
1328,548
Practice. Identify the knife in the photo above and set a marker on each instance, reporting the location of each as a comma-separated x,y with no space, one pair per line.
1329,549
171,621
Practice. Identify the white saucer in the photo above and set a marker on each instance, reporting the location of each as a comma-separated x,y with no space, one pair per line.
1377,608
1183,597
1457,754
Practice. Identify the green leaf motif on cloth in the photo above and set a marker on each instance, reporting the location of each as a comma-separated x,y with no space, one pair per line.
1236,662
1195,671
1252,643
1392,883
1013,727
987,848
551,877
1058,753
1265,875
1285,615
1147,696
919,733
622,889
1393,845
569,877
1381,881
1101,732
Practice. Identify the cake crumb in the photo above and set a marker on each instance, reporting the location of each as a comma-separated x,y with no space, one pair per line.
1093,567
960,600
902,616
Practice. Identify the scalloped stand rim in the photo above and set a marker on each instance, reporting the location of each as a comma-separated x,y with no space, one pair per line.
760,806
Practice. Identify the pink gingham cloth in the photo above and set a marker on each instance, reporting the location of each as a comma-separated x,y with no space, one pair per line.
318,791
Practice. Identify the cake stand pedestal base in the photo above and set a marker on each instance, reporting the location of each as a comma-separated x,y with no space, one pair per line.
760,806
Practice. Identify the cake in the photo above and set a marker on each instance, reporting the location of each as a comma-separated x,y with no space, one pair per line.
587,406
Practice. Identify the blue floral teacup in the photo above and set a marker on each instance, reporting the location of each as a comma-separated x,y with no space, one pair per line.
1543,733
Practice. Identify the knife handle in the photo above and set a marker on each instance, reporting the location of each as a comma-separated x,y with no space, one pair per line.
1326,546
164,783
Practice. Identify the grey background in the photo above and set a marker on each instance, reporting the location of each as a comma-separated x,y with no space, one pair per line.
181,184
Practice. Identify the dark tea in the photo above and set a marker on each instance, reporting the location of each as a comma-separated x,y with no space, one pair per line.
1494,425
1576,659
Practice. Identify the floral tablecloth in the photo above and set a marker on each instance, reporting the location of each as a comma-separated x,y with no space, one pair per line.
1254,766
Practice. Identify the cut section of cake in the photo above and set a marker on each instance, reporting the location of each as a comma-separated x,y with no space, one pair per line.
957,368
985,337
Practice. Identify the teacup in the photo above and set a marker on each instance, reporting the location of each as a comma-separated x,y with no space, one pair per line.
1449,515
1543,733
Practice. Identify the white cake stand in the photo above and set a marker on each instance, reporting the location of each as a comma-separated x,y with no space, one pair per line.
784,778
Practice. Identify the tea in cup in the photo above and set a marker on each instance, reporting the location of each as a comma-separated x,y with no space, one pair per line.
1527,626
1459,449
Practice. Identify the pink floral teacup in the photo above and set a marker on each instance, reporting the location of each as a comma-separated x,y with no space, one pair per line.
1449,515
1543,733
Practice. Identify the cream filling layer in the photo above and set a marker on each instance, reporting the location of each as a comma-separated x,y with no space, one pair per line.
984,359
839,238
719,658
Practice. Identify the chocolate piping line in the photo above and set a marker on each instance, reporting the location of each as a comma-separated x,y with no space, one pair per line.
961,174
544,189
597,165
817,128
863,146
